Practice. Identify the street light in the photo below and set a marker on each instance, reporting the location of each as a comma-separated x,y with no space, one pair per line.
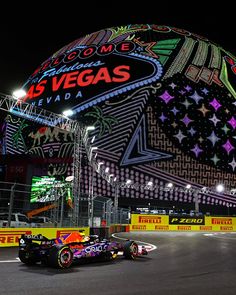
220,188
19,93
69,178
85,138
109,177
68,113
99,164
91,152
170,185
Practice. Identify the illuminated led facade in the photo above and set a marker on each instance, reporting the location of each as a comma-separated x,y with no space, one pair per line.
163,103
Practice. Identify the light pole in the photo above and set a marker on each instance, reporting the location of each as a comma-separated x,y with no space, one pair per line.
196,202
11,205
91,188
66,187
116,202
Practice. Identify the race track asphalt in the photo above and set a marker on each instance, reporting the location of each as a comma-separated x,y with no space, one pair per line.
184,263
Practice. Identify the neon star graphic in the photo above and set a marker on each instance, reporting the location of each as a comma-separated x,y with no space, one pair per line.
180,136
175,111
192,131
216,105
166,97
204,110
147,47
172,85
182,92
188,88
232,122
228,146
186,120
225,129
162,117
213,138
196,150
215,159
196,97
174,124
214,119
205,91
186,103
233,164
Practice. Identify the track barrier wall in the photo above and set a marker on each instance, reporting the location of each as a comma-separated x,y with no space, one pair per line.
9,237
145,222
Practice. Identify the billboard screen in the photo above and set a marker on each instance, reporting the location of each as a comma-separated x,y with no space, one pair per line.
46,189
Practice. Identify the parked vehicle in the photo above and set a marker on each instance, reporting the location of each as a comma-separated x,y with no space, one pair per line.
73,247
17,220
41,221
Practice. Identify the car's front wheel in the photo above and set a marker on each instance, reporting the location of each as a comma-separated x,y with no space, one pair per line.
130,250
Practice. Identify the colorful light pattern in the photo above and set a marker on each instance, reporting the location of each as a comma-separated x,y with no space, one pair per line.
162,100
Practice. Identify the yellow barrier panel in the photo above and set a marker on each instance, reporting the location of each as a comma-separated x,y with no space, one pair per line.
10,236
146,222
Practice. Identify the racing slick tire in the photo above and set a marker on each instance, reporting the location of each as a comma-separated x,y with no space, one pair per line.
27,255
130,250
60,257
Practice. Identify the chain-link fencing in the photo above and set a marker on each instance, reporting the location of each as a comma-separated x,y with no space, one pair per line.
18,210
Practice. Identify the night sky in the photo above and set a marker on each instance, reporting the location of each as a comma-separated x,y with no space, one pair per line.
29,35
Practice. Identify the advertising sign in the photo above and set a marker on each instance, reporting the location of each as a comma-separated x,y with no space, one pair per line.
148,222
186,220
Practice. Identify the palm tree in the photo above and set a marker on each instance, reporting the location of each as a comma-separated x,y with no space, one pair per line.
18,135
103,122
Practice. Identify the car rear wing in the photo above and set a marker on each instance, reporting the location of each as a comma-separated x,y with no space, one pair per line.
38,237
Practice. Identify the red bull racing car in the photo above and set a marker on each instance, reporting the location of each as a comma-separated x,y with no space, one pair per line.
73,247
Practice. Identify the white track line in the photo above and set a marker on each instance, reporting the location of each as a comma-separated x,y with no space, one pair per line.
7,261
153,247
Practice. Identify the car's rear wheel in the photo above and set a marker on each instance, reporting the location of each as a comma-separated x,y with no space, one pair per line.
130,250
60,257
27,255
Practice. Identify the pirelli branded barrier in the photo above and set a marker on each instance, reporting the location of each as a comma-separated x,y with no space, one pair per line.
144,222
9,236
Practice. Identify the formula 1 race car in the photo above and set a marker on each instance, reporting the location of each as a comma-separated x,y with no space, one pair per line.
73,247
